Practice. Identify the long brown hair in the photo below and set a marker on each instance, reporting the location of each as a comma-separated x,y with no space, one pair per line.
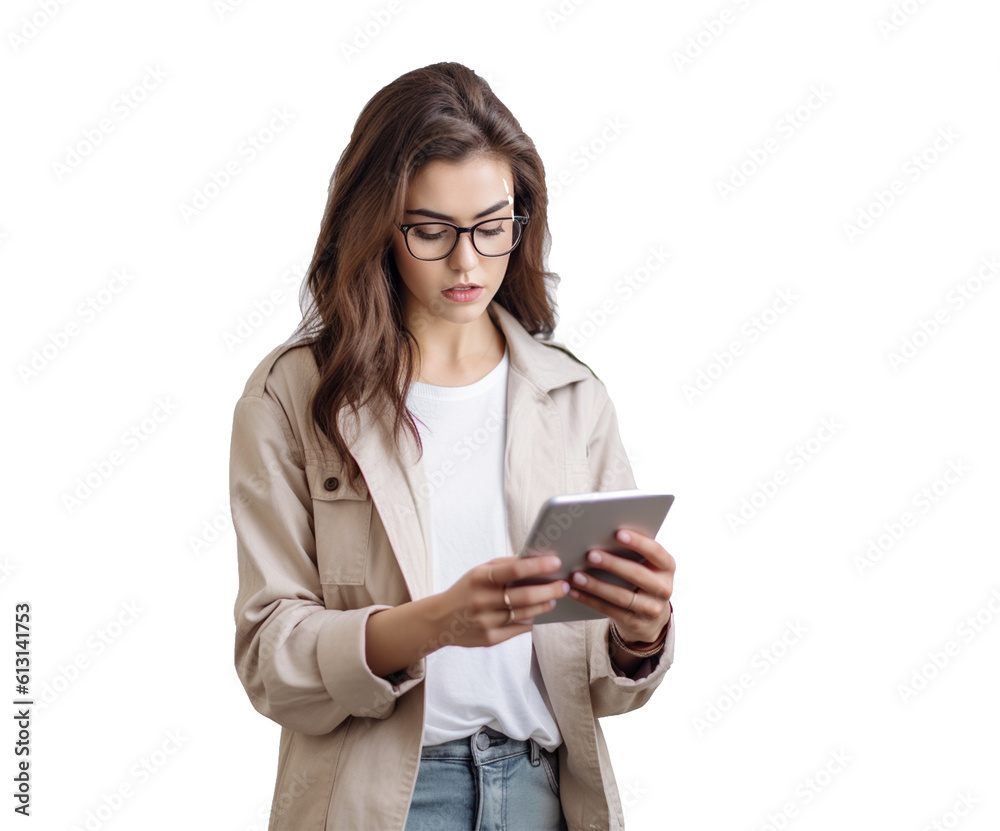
354,320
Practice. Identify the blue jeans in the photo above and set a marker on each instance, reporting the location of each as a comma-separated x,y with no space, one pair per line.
486,782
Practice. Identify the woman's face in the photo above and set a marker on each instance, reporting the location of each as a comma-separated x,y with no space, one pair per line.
462,193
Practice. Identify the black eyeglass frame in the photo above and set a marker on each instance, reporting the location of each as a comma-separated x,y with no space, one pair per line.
523,220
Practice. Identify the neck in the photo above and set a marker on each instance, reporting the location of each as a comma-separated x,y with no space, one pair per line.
454,354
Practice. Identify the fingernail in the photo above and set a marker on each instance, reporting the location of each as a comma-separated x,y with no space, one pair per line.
553,562
552,602
579,579
594,556
624,536
565,588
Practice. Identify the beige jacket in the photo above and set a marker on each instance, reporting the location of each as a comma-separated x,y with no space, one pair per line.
317,557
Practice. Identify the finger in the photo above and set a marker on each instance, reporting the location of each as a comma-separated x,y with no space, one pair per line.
649,629
488,570
654,553
508,569
612,610
528,614
541,593
619,597
658,583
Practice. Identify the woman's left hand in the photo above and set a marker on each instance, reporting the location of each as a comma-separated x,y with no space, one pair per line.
640,616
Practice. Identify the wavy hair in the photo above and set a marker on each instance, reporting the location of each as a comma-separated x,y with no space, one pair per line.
352,303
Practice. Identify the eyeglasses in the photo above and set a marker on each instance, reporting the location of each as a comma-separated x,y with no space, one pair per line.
490,238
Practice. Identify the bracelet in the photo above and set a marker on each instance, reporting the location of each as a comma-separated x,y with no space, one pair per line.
617,638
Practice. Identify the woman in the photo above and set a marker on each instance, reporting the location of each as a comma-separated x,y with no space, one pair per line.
386,466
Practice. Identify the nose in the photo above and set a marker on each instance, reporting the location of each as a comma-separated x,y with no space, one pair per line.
464,257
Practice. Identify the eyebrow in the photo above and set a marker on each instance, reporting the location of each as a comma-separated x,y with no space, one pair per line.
503,203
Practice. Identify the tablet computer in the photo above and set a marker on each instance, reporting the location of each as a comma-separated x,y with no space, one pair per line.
570,525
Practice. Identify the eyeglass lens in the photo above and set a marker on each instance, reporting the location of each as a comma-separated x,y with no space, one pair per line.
492,239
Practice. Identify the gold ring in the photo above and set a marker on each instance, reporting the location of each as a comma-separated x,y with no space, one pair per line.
506,600
635,594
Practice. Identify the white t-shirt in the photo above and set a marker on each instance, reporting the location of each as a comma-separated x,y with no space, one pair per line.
463,434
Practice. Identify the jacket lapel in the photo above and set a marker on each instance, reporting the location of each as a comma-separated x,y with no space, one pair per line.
395,480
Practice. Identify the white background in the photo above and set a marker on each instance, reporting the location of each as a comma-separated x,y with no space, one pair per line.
722,744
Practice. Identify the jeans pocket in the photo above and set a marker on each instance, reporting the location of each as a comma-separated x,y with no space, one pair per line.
550,761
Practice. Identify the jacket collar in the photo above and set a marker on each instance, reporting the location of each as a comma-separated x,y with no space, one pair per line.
394,474
545,366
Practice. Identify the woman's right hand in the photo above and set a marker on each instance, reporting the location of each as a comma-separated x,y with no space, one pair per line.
474,610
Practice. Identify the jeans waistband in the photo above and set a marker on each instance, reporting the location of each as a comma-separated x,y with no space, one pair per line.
485,745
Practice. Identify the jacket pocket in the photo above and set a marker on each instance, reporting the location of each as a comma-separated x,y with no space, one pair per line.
342,517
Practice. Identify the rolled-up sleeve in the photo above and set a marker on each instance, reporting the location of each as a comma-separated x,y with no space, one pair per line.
301,664
647,665
612,692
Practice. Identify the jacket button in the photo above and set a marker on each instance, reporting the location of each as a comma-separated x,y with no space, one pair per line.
332,483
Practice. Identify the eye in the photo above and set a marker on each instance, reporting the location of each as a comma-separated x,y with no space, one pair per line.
493,229
429,232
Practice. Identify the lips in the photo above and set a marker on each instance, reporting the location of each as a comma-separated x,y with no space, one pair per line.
463,294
